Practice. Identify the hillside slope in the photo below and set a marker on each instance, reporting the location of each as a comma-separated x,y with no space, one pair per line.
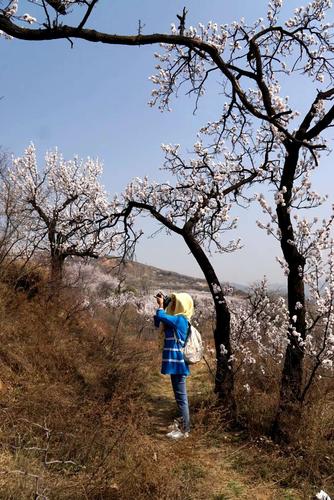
150,279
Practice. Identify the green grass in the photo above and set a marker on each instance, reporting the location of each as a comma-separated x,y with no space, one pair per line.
234,489
191,471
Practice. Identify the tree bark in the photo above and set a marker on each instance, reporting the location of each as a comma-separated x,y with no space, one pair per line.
288,414
57,264
224,380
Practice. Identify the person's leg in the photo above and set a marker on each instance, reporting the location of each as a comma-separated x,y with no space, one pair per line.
181,398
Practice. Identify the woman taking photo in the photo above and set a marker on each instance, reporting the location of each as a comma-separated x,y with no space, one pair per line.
175,324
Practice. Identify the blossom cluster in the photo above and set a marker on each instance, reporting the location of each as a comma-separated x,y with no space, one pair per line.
64,202
197,196
252,84
259,324
12,11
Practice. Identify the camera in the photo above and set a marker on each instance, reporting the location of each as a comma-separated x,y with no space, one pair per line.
166,299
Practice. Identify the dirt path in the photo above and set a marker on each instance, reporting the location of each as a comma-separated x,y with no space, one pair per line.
220,465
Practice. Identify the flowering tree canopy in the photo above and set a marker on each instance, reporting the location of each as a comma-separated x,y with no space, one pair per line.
197,207
250,59
65,207
200,200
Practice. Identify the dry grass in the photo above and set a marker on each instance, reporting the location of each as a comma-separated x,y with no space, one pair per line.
296,471
84,412
70,400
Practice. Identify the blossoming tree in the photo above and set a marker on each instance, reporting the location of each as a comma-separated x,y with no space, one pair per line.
197,207
310,241
65,207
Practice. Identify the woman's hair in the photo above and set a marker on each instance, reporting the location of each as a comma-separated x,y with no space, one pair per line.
183,305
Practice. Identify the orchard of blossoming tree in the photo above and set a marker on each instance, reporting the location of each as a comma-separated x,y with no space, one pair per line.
256,138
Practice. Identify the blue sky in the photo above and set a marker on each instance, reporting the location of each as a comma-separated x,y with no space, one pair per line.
92,100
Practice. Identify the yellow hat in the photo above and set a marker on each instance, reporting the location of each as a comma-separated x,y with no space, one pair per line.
183,305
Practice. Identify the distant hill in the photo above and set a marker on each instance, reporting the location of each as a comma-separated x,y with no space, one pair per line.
151,279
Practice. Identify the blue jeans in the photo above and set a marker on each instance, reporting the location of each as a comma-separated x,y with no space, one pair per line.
181,398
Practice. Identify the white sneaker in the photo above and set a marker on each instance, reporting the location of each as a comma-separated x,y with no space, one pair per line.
177,434
175,426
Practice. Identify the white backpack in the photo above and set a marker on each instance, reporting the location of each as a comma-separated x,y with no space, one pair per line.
193,348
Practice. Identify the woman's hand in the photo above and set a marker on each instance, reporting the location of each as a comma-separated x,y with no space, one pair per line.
160,300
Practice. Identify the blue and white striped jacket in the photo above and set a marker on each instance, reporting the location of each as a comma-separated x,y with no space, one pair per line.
173,362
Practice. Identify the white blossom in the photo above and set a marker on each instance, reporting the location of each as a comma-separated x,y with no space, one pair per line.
28,18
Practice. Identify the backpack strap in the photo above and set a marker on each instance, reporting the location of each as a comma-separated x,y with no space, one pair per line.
188,333
187,336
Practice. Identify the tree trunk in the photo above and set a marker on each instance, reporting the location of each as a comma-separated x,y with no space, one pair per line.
288,414
57,264
224,380
56,256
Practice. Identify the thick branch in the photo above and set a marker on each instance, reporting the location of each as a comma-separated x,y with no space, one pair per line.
66,32
305,124
321,125
157,215
40,212
196,44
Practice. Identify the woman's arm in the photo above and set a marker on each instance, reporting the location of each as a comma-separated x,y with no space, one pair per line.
157,318
165,318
